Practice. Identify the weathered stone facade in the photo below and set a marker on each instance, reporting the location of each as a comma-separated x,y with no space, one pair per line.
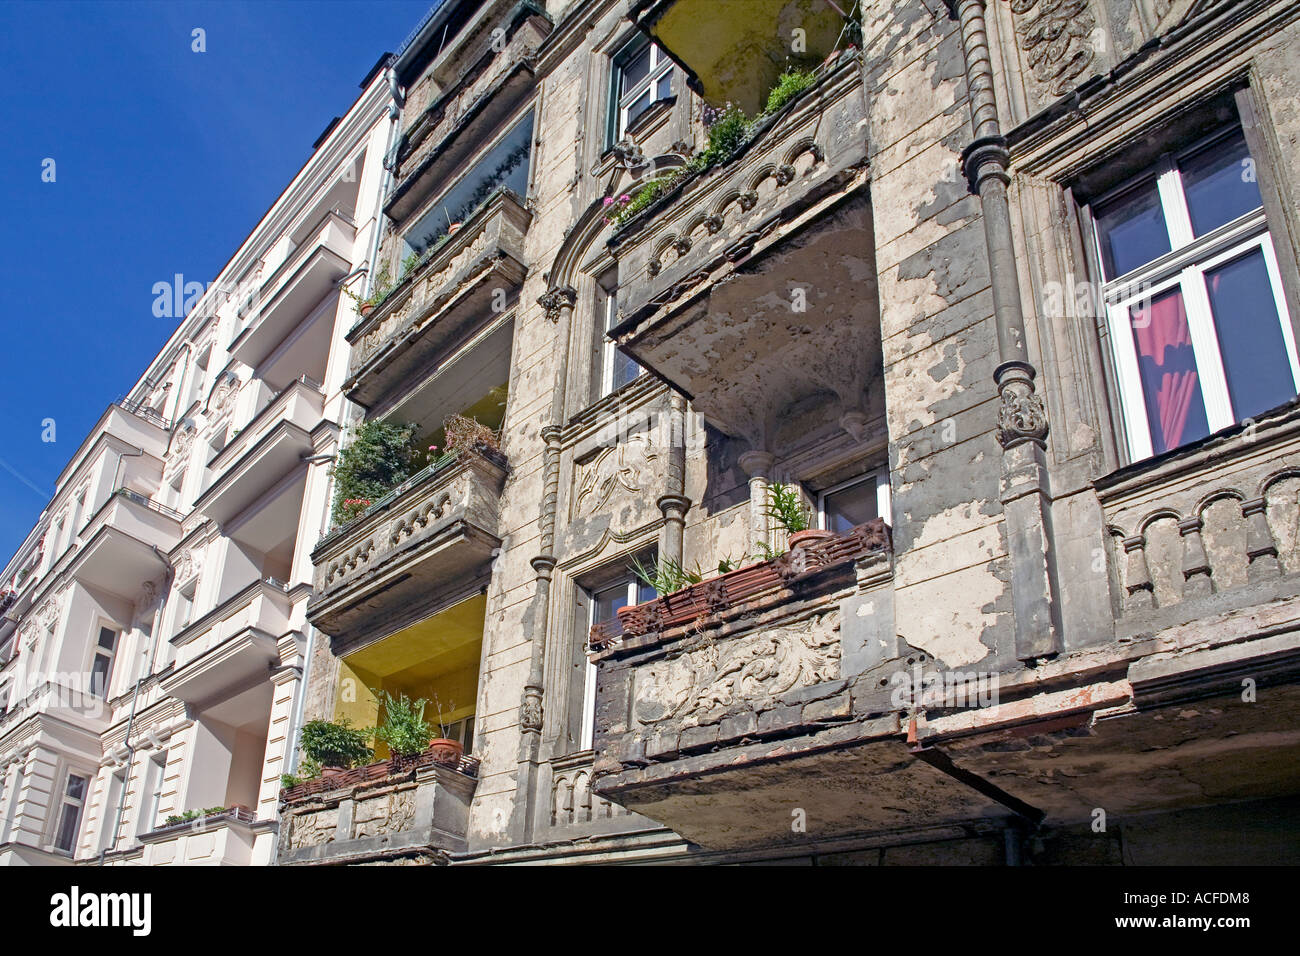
896,274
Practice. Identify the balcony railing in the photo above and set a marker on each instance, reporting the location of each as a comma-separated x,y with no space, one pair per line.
1205,529
404,808
140,409
699,692
441,302
433,534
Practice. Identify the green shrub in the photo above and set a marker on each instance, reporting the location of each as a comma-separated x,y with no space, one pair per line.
334,744
788,85
404,729
381,456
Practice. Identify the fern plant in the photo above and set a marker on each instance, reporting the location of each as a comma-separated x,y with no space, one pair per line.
404,729
665,575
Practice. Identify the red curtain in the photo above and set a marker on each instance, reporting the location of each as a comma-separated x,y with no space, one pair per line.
1168,368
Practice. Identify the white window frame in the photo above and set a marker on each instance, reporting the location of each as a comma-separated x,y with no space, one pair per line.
1184,268
880,476
609,350
113,791
97,651
661,64
151,786
66,800
586,736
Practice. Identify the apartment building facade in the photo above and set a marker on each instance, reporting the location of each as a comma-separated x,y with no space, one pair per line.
1005,292
154,635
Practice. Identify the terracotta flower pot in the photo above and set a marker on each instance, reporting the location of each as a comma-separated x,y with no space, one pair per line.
447,752
451,230
367,308
809,536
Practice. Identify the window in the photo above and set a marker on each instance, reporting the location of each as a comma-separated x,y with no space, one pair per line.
604,603
642,77
11,804
854,502
185,605
151,796
70,809
1193,297
617,369
506,164
101,665
107,827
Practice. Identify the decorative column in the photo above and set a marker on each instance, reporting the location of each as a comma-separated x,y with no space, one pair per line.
1261,549
758,466
1022,419
673,503
1196,566
558,304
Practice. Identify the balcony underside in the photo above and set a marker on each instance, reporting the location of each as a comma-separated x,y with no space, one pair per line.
745,46
791,320
1149,743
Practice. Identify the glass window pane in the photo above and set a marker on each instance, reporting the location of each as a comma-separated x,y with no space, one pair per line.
99,676
107,637
851,506
1250,335
1219,183
605,603
1131,230
635,69
665,86
1171,385
639,106
76,787
625,370
645,592
69,821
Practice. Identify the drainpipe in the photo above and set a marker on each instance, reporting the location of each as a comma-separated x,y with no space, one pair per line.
117,472
1022,417
135,700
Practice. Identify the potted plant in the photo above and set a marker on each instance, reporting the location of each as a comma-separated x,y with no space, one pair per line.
445,750
786,507
334,746
404,729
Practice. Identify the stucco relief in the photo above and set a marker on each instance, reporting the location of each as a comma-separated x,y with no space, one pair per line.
391,813
313,829
628,466
705,683
1056,37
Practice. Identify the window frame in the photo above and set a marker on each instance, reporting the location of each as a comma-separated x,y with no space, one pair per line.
1183,268
65,801
660,66
609,352
146,816
587,726
883,501
97,651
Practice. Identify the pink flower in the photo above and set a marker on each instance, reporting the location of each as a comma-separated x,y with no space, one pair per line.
609,201
625,199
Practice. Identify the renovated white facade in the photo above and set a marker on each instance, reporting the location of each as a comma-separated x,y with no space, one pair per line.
153,635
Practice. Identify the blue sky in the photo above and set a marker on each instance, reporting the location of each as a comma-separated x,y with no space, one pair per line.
165,160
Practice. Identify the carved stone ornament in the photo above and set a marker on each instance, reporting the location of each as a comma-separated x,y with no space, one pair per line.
1056,36
530,713
701,684
628,466
1021,417
556,299
629,154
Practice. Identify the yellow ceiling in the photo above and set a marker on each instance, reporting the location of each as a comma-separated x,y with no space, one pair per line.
449,641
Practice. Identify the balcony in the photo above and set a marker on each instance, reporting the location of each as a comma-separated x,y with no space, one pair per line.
446,299
1206,530
232,646
413,811
427,541
267,449
123,541
227,838
750,286
295,288
721,707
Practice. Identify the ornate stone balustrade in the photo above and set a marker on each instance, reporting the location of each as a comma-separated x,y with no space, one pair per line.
431,535
1207,528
